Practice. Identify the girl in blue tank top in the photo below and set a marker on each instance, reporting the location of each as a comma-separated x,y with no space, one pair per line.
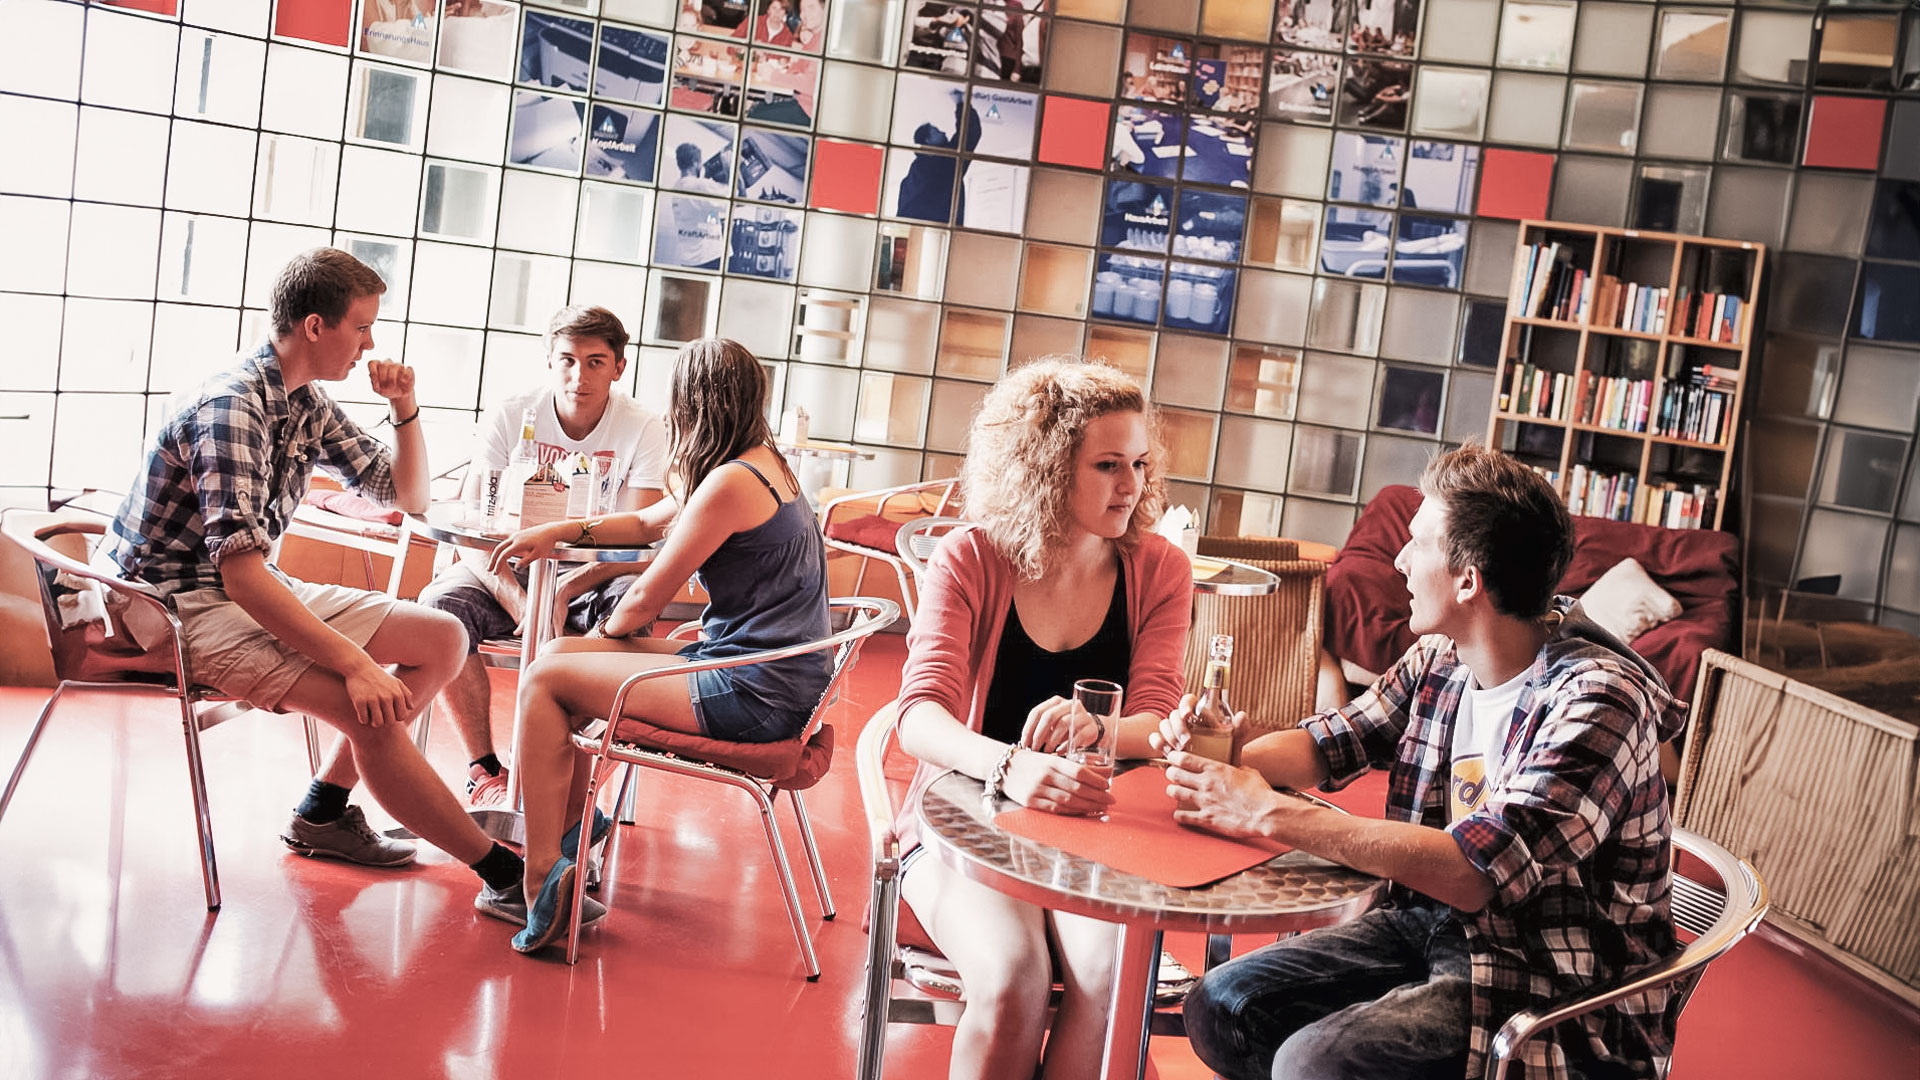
734,519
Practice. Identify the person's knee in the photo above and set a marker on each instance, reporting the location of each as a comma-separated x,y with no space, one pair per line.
1213,1020
1011,985
1315,1052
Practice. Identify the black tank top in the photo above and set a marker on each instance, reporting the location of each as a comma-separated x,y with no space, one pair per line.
1024,674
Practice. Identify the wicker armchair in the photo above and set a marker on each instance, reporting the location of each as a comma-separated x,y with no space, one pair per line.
1276,636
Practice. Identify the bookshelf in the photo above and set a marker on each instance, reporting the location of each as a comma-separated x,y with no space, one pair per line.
1623,362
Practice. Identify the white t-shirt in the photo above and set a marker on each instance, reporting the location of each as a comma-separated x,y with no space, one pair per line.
628,432
1479,739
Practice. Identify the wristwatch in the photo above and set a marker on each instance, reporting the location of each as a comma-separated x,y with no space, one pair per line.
601,629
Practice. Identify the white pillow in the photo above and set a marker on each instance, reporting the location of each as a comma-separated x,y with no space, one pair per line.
1627,603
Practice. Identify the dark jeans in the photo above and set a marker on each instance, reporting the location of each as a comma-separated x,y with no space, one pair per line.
1383,997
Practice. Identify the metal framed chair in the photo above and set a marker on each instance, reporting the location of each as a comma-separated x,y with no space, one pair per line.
915,541
859,523
83,661
1719,916
763,770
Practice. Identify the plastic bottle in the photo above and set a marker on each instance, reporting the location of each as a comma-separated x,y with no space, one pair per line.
522,463
1213,732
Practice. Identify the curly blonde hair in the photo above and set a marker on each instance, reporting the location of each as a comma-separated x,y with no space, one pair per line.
1020,451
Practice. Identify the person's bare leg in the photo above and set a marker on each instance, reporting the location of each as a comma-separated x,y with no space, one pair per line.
469,699
1079,1036
426,648
999,946
577,677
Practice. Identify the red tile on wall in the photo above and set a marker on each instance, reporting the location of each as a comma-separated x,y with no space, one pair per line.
846,176
158,7
328,22
1075,132
1844,133
1514,184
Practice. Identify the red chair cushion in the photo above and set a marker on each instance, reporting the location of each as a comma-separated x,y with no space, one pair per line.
871,531
791,763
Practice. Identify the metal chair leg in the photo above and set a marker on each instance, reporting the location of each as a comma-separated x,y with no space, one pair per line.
627,805
203,818
879,981
906,590
787,886
313,743
813,856
33,740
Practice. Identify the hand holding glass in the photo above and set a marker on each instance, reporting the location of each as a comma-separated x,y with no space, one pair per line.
1094,747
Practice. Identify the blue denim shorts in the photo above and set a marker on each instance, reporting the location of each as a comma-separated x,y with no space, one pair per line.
737,714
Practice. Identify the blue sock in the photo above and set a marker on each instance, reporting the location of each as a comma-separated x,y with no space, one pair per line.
324,803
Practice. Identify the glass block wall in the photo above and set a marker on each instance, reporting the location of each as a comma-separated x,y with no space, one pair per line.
1292,220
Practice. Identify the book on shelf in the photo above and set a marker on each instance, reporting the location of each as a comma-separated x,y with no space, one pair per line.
1593,492
1533,391
1613,401
1549,286
1673,506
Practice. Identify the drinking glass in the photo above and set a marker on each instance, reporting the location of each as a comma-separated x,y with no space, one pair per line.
1095,749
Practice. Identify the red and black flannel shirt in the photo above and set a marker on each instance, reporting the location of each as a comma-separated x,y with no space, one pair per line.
1573,833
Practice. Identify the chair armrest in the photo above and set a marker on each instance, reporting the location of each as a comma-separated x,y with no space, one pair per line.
881,497
869,760
34,544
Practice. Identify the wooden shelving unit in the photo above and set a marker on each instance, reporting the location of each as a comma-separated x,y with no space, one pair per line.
1623,363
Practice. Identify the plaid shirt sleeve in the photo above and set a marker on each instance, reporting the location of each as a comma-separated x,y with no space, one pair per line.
227,444
363,463
1365,733
1573,782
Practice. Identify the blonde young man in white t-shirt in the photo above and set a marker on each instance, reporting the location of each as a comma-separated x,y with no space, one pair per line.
576,412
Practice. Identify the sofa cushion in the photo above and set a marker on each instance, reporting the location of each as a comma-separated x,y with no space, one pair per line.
1367,599
1627,602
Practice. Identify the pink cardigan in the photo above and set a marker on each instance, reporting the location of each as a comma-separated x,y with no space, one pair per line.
963,607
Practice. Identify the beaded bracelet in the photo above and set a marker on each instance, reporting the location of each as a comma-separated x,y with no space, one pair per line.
998,776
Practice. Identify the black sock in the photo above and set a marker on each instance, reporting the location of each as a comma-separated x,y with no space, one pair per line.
489,762
324,803
500,868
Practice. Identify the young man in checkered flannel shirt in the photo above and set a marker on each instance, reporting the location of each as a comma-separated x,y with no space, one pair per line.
1526,827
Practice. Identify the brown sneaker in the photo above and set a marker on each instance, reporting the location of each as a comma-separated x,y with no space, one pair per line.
349,838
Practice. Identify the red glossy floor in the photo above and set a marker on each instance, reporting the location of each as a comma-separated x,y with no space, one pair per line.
110,966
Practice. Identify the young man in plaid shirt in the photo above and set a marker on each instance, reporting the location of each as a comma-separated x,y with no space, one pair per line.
222,478
1526,826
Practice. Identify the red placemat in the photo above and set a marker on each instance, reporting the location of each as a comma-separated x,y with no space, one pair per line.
1141,837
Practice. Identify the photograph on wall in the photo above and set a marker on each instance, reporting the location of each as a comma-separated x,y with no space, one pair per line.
1430,251
786,24
939,36
1374,94
935,113
1209,225
1354,242
773,167
697,155
1156,68
1301,85
707,76
781,87
1384,26
1410,399
622,143
1006,119
1010,46
1366,168
1219,151
993,195
1148,141
632,65
716,18
401,29
1227,78
556,52
1440,176
479,37
1312,24
1199,297
690,231
1137,216
386,106
920,185
547,131
765,242
1127,287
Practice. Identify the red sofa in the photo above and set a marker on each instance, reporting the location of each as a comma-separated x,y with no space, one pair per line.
1367,602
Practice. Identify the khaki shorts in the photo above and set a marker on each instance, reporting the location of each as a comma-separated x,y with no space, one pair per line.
236,655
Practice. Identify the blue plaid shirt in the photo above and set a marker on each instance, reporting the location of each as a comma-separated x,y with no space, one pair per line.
1573,832
227,470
